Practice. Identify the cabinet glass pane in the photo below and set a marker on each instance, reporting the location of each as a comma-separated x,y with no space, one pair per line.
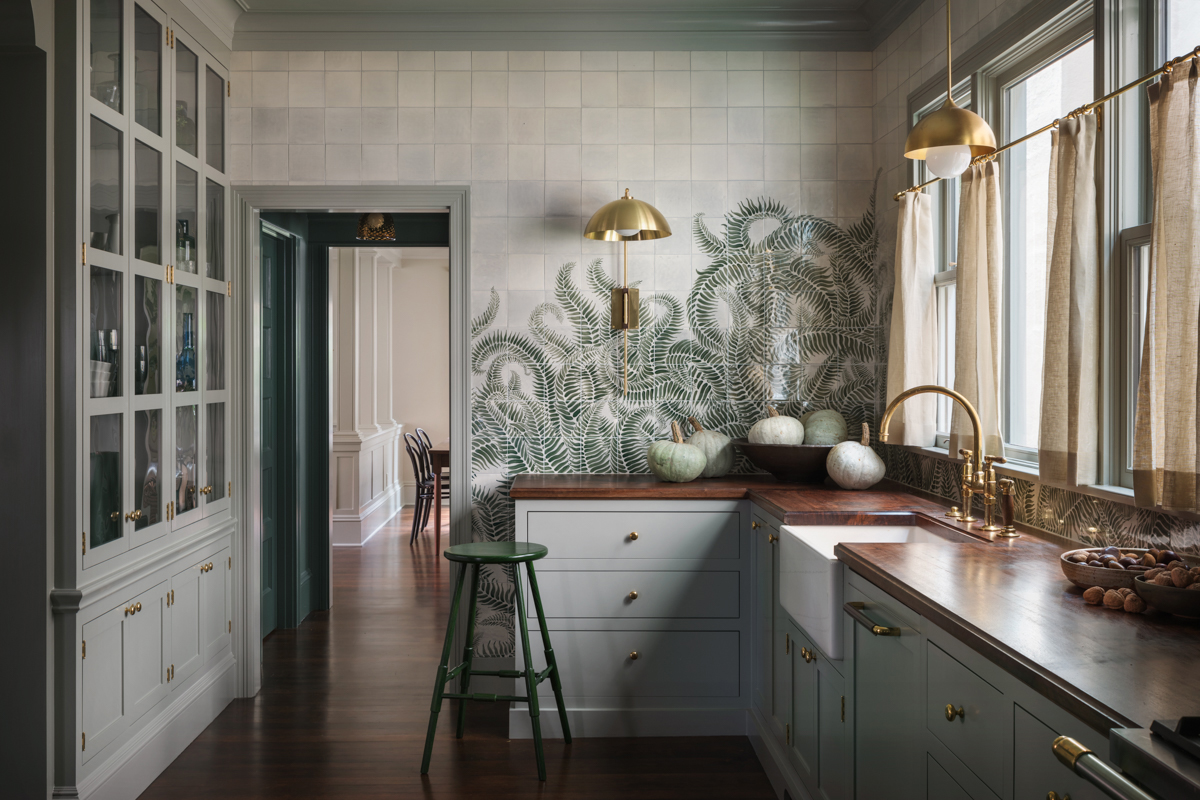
186,216
106,53
147,203
105,373
147,444
214,453
186,67
214,331
186,357
147,335
185,458
214,119
214,238
106,522
147,70
107,167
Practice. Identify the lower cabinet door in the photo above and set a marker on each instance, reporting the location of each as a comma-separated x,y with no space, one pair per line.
1036,770
940,785
834,755
145,649
214,601
764,612
781,677
805,730
187,651
102,704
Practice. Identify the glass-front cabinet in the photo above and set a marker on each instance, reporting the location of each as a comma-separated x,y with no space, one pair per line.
155,388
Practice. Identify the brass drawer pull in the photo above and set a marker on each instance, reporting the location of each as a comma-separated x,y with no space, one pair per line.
754,525
772,538
633,595
1057,796
633,656
952,712
633,536
809,655
854,609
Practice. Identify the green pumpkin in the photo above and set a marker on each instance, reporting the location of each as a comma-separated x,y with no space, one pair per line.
676,461
854,465
777,430
824,427
717,448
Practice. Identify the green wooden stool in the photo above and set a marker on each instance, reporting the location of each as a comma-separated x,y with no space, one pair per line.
511,554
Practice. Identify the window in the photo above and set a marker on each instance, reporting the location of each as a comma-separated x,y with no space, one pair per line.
1182,27
1132,286
1027,103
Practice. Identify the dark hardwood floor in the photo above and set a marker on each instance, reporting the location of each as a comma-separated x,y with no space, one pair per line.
345,702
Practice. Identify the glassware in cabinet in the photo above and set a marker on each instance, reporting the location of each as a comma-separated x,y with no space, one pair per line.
187,67
147,335
106,186
214,467
186,355
214,119
214,332
214,239
105,484
147,70
106,288
106,20
147,203
187,441
186,218
147,445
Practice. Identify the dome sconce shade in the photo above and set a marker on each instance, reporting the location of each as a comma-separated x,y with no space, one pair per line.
376,227
951,137
626,220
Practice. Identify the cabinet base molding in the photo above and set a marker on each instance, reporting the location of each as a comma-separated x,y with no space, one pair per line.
607,722
130,770
771,755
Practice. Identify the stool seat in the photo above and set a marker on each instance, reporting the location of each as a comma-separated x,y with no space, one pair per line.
496,552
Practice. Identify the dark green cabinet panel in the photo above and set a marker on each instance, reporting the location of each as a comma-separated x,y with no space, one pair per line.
1036,770
833,766
941,785
765,550
804,706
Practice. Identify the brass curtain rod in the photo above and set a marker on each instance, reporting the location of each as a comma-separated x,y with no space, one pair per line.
1086,108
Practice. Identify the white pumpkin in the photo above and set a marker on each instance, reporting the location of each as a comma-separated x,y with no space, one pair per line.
776,429
717,448
824,427
855,466
675,460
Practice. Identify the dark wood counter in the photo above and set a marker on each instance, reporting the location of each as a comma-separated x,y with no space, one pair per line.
1006,599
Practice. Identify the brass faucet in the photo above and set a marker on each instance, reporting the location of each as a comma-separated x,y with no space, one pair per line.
981,480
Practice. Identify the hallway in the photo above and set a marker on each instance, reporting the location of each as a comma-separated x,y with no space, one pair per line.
345,702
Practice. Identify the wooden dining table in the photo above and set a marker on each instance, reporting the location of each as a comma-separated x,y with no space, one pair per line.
439,457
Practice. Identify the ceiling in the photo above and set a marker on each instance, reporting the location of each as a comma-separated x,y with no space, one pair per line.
557,24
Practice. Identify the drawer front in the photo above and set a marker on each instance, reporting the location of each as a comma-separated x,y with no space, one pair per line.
939,784
982,733
1036,770
659,534
659,594
668,663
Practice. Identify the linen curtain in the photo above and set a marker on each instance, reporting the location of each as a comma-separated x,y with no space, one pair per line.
913,346
977,337
1068,441
1166,463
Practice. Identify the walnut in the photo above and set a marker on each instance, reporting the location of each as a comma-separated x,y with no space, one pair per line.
1154,573
1094,595
1113,600
1135,604
1181,578
1125,591
1194,587
1163,579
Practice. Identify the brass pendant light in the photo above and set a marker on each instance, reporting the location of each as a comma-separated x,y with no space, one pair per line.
950,137
376,227
626,220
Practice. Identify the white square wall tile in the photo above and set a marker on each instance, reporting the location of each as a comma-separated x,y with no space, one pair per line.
452,162
710,162
782,88
526,125
489,198
379,89
241,89
710,125
452,88
564,126
343,60
563,198
709,60
343,162
745,162
635,162
672,162
781,162
563,89
379,162
416,89
343,89
854,162
381,60
306,126
415,126
306,162
635,126
746,125
635,60
526,162
817,90
599,125
672,126
527,89
600,162
306,89
452,125
562,60
269,90
526,199
490,236
818,162
710,89
673,59
854,126
526,61
379,126
781,125
305,60
672,89
343,126
784,59
635,88
489,125
241,163
526,272
242,61
563,162
239,125
452,60
744,59
422,60
854,88
599,89
818,126
745,88
489,162
526,234
597,60
490,60
489,89
269,60
710,198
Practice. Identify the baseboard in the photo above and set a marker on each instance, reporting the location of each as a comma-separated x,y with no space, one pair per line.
608,722
129,771
352,530
774,760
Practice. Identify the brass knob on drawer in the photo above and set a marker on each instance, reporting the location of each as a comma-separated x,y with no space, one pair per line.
754,525
772,538
952,712
633,656
633,536
809,655
1057,796
633,595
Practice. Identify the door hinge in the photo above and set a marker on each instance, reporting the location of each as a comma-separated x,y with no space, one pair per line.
843,708
167,32
231,490
85,648
229,289
231,626
787,733
83,253
229,88
231,562
84,741
787,643
83,536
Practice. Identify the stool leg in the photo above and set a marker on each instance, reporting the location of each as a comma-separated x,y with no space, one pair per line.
468,650
530,682
555,680
439,685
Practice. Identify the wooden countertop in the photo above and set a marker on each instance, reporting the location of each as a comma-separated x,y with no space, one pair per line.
1006,599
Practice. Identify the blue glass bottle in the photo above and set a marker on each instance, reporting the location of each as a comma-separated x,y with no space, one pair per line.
185,362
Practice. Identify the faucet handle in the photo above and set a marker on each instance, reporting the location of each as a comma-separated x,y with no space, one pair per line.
968,455
995,460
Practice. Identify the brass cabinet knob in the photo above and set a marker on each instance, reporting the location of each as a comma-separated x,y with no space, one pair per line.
952,712
137,607
1057,796
772,538
754,525
633,595
633,536
633,656
114,516
809,655
133,516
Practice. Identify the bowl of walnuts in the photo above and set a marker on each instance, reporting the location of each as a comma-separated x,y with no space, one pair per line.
1115,567
1174,589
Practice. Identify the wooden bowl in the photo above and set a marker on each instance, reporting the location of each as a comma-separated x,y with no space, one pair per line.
1180,602
794,463
1086,577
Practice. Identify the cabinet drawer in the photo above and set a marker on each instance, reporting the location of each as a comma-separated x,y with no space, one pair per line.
660,534
1036,770
668,663
984,730
939,784
660,594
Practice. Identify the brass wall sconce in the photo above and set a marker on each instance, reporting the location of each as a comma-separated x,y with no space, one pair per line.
626,220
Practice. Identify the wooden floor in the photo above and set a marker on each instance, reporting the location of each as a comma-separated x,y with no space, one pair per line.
345,702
